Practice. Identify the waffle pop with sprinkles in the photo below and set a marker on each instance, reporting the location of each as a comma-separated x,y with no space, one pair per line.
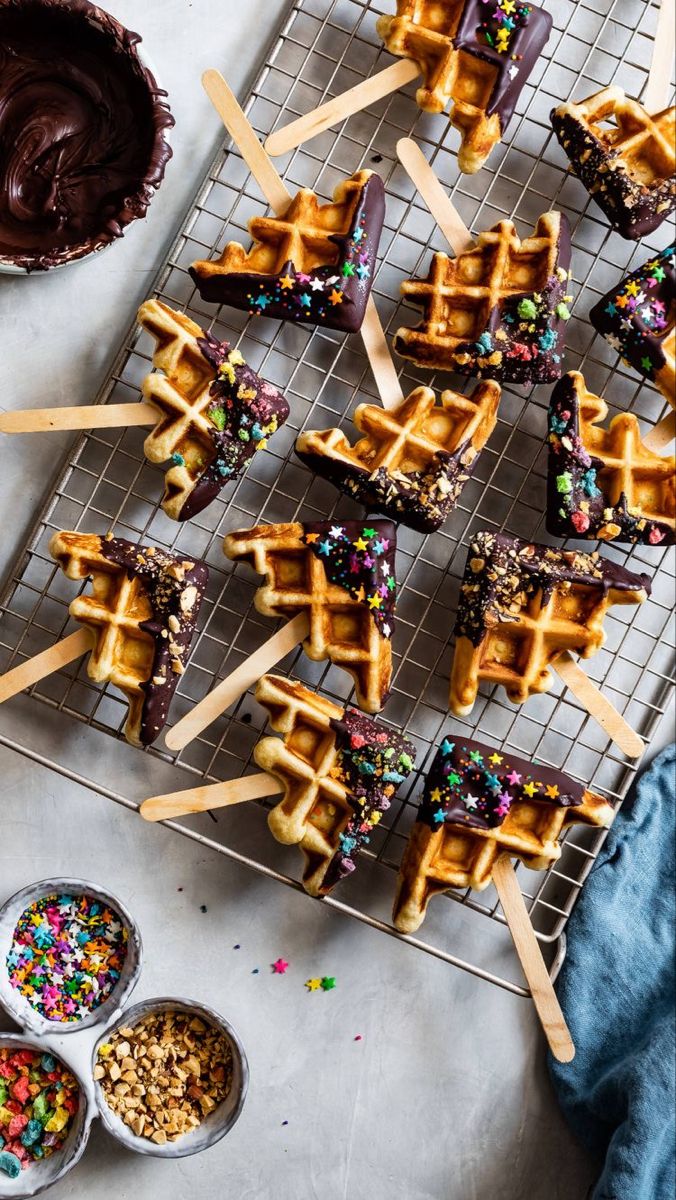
497,311
474,56
339,770
478,804
604,482
343,576
314,263
215,411
638,319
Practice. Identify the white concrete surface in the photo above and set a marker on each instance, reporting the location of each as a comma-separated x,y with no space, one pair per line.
446,1097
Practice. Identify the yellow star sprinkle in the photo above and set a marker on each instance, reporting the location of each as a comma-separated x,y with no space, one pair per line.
495,759
375,600
286,282
552,791
313,985
360,544
530,788
435,796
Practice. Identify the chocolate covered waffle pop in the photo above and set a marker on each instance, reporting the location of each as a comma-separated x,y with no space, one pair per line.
313,263
343,577
479,804
141,610
521,605
497,311
625,157
412,461
216,412
638,319
474,59
605,483
339,770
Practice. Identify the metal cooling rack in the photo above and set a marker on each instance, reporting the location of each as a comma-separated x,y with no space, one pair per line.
326,46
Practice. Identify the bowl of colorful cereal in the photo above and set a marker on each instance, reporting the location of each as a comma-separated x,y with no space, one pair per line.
70,955
170,1078
45,1116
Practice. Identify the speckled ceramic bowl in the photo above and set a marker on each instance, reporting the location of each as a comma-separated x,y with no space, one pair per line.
17,1006
218,1123
41,1175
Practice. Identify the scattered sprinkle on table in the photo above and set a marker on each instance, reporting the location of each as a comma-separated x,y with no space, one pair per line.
328,983
38,1100
165,1075
280,967
313,985
67,955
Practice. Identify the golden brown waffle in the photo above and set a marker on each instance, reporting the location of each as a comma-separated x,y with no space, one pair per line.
141,611
605,483
315,262
498,310
521,605
414,460
475,60
308,568
479,804
625,157
327,810
216,411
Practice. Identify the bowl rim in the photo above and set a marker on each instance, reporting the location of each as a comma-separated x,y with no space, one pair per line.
147,62
184,1146
72,1156
19,1008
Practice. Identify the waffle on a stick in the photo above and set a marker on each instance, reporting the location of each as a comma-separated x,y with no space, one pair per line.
141,610
477,805
605,483
521,605
472,58
638,319
343,576
498,310
414,460
625,157
340,771
216,412
314,263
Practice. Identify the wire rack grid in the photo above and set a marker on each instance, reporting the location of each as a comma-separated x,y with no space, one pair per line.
324,47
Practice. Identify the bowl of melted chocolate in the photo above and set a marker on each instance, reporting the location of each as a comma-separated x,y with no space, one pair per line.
83,132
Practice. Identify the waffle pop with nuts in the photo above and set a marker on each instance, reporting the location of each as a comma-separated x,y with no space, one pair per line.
343,577
339,770
474,57
638,319
625,157
141,610
604,482
477,805
521,605
216,412
314,263
412,461
498,310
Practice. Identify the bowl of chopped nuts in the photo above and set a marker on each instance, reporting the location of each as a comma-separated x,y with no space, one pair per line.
170,1078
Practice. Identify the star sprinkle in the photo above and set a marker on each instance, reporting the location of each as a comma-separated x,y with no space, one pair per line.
328,983
280,967
313,985
355,557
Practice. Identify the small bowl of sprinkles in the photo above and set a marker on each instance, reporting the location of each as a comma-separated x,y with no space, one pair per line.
170,1077
44,1117
71,955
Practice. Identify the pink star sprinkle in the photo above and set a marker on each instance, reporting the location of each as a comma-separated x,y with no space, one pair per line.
280,967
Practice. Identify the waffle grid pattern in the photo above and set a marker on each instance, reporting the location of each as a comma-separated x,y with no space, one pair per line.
326,46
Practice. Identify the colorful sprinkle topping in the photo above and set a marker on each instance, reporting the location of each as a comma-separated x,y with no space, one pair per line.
67,955
500,26
38,1100
635,317
360,559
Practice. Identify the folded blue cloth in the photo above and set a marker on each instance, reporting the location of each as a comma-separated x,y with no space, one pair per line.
617,992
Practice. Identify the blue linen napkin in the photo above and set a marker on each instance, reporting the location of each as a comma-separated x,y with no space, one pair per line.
616,989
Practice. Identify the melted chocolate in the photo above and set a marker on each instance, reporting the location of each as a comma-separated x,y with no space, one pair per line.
511,37
359,558
501,569
472,784
636,316
82,131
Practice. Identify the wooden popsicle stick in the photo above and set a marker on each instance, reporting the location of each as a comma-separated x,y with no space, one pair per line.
598,706
234,686
334,111
662,434
33,669
658,87
530,955
215,795
380,359
433,193
85,416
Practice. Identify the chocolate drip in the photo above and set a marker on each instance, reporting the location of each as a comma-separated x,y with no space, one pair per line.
479,34
636,316
82,131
